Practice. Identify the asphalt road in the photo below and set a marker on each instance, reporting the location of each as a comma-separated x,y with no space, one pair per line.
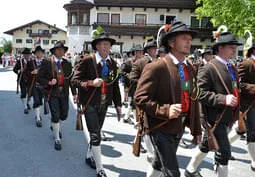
28,151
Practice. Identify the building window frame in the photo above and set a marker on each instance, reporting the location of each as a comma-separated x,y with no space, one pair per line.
115,14
200,24
54,31
144,18
46,42
29,41
85,22
74,18
101,22
29,31
18,41
170,15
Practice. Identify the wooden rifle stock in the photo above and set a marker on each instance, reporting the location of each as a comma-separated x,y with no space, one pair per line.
46,106
79,126
241,123
212,142
138,138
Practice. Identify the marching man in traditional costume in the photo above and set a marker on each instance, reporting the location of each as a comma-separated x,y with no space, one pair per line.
219,84
246,70
167,93
54,75
20,69
34,88
96,77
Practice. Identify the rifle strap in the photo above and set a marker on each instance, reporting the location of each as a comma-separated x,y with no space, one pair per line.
94,91
33,80
218,119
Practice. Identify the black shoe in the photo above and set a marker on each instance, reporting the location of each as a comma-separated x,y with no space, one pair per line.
128,121
60,134
90,162
101,173
232,158
253,168
195,174
142,149
39,123
58,146
28,107
25,111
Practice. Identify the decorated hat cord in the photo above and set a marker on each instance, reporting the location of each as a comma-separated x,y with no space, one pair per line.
221,29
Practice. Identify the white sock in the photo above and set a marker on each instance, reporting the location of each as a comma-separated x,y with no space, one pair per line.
56,129
151,172
96,151
89,153
251,150
37,113
24,101
128,112
222,171
148,144
195,161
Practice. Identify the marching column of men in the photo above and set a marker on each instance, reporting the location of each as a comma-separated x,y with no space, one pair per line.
167,90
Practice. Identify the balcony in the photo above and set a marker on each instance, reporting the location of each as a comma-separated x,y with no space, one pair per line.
132,29
40,35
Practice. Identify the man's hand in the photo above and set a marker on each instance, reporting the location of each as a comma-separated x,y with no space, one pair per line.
231,100
75,99
174,111
35,71
53,82
97,82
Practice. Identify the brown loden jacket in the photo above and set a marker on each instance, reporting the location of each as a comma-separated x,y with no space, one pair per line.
157,89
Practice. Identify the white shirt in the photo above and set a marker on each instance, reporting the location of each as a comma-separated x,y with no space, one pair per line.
205,62
56,59
100,59
221,60
253,56
175,60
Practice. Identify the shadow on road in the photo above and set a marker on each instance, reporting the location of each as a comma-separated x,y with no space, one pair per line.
123,138
109,151
124,172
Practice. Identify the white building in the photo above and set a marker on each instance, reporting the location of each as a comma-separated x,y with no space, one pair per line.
36,32
129,22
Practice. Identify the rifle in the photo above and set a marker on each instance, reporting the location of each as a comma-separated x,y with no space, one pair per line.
79,112
46,106
241,122
212,142
32,83
138,138
21,73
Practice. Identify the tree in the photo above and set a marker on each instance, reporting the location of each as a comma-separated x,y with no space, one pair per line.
237,15
7,46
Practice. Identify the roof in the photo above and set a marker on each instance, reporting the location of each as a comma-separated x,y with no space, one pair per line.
10,32
171,4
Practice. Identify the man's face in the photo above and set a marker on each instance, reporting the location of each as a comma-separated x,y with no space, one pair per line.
182,44
26,56
208,57
39,54
228,51
152,51
103,48
59,52
138,53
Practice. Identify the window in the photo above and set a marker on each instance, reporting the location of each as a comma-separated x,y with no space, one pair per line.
18,41
140,19
170,19
40,31
85,19
74,19
29,31
54,32
46,42
205,22
115,18
46,32
29,41
194,22
103,18
53,41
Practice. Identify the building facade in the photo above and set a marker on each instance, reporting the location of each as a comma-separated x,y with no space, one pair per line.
36,33
129,22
